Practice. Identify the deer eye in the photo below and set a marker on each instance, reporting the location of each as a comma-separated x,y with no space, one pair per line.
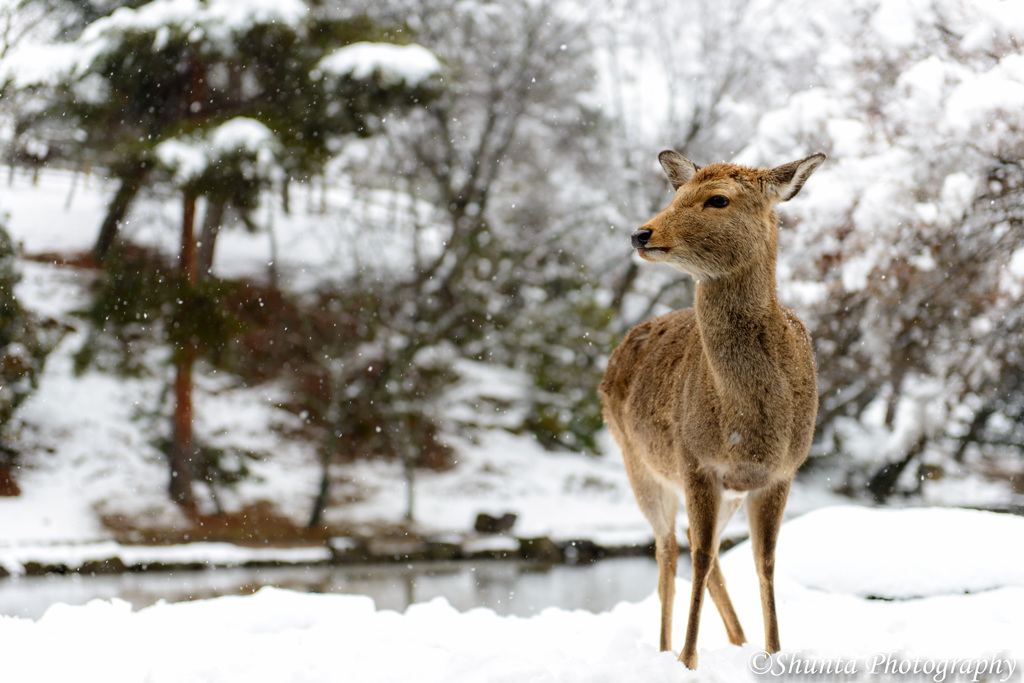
717,202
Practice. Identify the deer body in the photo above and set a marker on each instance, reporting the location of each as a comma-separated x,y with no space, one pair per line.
718,401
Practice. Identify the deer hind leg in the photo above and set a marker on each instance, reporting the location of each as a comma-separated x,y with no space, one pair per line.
659,504
667,551
716,580
764,510
703,494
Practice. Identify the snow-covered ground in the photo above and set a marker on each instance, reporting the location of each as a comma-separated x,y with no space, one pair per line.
926,594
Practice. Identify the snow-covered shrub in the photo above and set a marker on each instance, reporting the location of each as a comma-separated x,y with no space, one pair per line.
905,254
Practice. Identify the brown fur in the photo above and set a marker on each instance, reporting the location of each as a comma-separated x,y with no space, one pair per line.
720,400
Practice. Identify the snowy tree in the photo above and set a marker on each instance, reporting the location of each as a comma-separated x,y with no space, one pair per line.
232,162
505,155
138,76
691,76
497,218
906,254
216,99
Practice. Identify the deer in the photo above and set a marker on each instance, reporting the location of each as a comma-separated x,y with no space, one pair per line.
717,401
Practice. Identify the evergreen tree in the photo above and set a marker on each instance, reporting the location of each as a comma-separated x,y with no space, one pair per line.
170,93
138,76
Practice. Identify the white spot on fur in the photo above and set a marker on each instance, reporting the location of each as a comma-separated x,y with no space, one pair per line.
730,496
735,438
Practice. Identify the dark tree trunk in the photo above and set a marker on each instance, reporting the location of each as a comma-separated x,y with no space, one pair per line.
8,483
131,183
181,442
286,196
208,240
883,484
323,494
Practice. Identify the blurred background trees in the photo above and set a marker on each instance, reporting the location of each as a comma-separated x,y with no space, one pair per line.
513,170
26,339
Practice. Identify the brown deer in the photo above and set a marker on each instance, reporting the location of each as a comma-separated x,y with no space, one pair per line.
718,401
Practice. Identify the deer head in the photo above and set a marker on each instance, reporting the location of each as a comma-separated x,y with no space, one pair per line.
722,218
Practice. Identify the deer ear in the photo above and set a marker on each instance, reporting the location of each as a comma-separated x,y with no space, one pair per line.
678,168
786,180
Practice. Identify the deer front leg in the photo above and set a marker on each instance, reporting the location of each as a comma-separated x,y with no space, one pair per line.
702,499
764,510
716,580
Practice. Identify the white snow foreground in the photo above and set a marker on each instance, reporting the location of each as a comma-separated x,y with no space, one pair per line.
828,562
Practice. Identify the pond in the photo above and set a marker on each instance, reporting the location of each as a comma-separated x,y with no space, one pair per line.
507,587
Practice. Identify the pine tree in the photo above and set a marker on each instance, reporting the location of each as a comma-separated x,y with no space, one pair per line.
151,93
139,76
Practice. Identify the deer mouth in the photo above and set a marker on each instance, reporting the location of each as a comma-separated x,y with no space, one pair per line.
646,252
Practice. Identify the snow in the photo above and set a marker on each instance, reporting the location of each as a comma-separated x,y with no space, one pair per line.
14,558
928,535
973,102
188,160
190,157
1013,278
962,606
413,64
44,65
893,20
213,20
211,23
241,133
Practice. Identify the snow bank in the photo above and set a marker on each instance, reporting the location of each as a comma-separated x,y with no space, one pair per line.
277,635
887,553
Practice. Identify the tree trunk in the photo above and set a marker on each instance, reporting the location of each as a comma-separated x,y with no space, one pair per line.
181,442
286,196
131,183
883,484
208,240
323,496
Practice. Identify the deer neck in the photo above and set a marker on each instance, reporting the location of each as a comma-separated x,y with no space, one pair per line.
738,316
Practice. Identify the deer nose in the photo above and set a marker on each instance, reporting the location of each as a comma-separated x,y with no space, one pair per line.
641,238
